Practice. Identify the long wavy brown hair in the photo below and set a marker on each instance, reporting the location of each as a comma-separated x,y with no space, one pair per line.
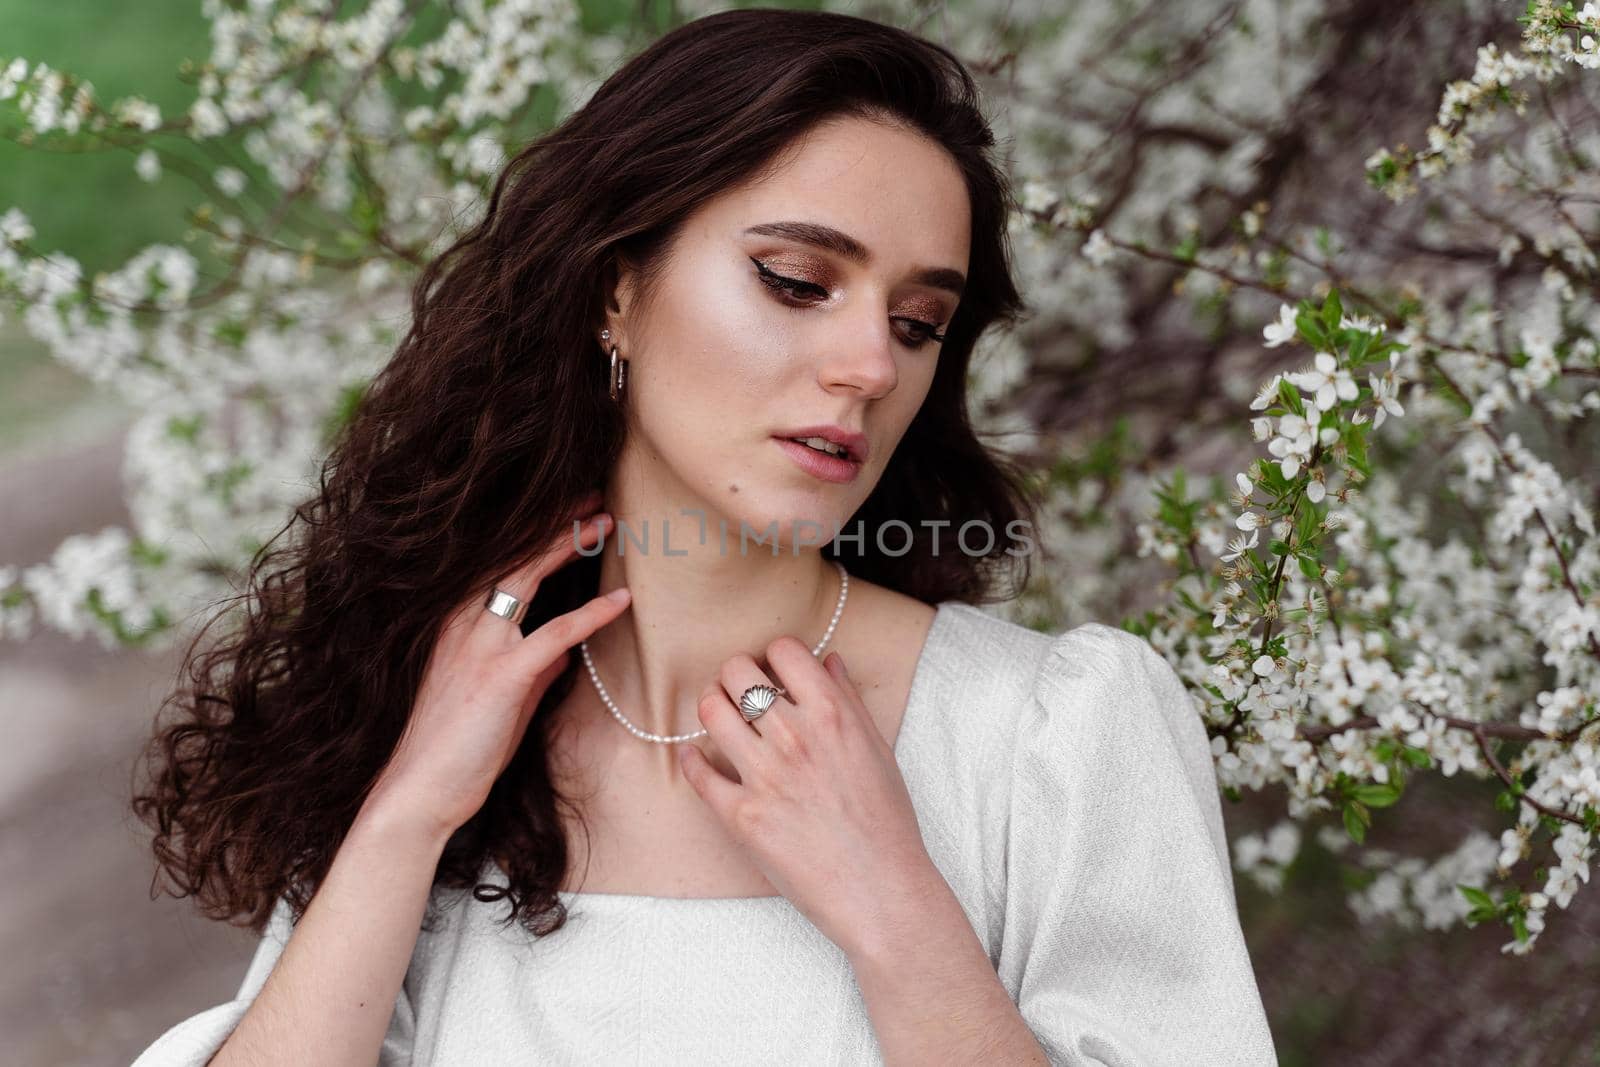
491,421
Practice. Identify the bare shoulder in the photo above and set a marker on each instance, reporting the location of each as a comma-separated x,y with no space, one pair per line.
881,635
882,618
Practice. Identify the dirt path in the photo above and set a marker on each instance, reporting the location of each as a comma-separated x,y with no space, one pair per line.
104,969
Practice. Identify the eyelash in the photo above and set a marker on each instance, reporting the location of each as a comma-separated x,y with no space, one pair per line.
797,288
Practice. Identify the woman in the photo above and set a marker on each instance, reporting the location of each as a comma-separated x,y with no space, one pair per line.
737,293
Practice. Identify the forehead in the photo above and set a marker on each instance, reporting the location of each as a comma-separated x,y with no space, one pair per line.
894,190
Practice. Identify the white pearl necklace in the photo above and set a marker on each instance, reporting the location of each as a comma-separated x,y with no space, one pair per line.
646,735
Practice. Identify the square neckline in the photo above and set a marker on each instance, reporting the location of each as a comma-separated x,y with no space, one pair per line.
942,613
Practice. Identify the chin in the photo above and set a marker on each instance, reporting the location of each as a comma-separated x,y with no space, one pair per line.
815,522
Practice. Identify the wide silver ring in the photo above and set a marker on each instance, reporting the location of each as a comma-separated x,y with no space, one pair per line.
506,606
756,701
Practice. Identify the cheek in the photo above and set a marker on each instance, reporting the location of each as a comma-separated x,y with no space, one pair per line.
916,380
731,339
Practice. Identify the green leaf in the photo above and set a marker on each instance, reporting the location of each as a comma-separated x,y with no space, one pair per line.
184,429
1356,444
1376,796
1311,329
1353,825
1383,173
1358,348
231,332
146,553
365,211
1306,523
1476,897
1332,311
1416,757
344,409
1355,879
1311,569
1291,399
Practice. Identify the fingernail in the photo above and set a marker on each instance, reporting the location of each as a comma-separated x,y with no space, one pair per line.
619,594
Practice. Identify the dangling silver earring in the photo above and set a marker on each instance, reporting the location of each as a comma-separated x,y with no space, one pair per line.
619,370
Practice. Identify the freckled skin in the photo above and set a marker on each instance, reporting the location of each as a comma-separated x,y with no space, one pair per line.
720,360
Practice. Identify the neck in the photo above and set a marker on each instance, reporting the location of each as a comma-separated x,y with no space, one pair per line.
693,607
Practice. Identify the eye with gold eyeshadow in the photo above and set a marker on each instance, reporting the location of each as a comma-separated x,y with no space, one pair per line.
794,291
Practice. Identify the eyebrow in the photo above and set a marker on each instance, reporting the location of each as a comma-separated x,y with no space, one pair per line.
841,243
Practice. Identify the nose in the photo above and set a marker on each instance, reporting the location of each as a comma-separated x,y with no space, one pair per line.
862,357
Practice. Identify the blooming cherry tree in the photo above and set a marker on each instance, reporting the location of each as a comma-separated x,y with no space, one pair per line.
1385,363
1357,630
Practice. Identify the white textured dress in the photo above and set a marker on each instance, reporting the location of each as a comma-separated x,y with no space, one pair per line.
1064,787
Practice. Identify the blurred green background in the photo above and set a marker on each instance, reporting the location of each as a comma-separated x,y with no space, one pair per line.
88,204
122,50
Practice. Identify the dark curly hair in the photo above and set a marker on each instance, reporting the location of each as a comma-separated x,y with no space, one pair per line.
493,419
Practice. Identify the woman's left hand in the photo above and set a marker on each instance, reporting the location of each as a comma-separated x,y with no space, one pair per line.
820,804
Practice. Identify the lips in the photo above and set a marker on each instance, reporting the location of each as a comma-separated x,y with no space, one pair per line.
819,464
853,442
833,449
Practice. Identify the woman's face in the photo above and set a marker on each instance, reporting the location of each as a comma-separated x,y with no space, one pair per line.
812,298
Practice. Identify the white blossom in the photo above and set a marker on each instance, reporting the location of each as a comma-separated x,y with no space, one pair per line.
1330,382
1097,249
148,166
1282,330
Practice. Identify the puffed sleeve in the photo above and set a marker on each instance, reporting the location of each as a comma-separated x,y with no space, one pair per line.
1120,940
192,1042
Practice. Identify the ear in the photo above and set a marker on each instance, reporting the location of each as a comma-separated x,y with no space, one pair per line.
618,287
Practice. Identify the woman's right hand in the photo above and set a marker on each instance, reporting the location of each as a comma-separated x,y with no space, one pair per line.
481,686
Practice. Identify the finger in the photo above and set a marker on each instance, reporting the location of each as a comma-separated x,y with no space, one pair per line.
554,638
803,678
834,664
718,791
728,731
539,683
738,673
524,581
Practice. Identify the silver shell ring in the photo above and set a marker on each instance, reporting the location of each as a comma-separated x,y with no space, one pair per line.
756,701
506,606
